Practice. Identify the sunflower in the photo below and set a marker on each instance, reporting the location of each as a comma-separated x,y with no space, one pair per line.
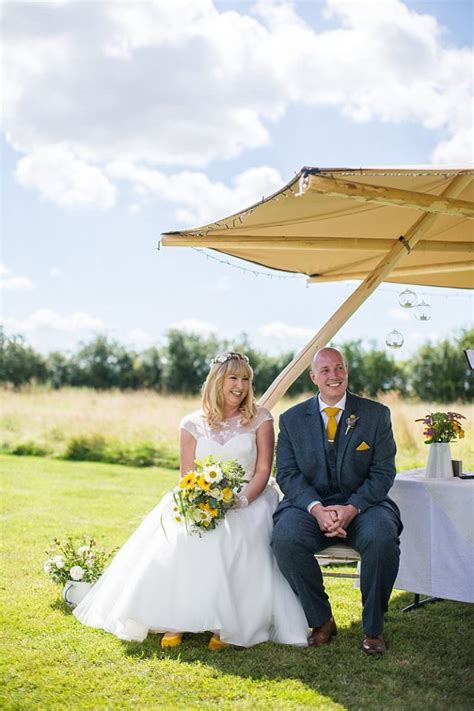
187,481
203,484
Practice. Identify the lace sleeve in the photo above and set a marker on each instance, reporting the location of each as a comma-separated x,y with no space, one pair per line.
263,415
192,424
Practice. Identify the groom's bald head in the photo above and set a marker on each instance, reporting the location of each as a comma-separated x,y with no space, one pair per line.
329,373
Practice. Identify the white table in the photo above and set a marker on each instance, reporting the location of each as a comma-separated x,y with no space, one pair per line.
437,543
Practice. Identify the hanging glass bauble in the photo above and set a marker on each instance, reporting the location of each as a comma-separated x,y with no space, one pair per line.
423,311
394,339
408,299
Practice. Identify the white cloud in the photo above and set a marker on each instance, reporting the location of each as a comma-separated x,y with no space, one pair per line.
286,334
191,325
16,284
56,272
11,282
200,199
384,62
64,179
181,83
45,319
448,151
139,338
164,82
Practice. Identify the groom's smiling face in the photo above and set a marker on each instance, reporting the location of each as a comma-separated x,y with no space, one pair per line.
330,375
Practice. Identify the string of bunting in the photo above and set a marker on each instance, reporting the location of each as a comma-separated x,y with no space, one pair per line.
299,276
246,269
239,219
256,273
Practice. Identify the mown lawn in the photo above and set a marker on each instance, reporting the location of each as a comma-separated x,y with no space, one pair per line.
50,661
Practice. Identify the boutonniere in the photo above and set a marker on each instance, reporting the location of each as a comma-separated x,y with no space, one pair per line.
351,423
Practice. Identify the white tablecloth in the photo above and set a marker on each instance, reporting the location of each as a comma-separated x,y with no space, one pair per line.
437,543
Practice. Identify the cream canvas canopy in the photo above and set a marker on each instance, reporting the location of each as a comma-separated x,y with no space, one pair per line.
409,226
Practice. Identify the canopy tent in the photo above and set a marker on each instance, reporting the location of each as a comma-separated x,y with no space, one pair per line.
337,224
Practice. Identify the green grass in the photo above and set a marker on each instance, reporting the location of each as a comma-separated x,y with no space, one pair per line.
50,661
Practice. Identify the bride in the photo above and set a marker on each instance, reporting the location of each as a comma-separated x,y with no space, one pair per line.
227,581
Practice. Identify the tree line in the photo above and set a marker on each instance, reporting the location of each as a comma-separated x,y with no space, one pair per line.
437,372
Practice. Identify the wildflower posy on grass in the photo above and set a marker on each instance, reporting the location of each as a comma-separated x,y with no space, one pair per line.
205,494
442,426
74,561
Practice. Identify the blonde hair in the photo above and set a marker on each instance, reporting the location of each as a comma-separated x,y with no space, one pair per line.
229,363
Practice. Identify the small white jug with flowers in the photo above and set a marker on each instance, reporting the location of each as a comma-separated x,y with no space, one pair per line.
75,566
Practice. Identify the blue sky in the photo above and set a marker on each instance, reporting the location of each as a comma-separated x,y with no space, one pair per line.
122,120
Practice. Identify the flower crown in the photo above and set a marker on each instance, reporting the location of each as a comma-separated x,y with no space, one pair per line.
224,357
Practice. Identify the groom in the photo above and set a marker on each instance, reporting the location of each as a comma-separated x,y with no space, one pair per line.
335,466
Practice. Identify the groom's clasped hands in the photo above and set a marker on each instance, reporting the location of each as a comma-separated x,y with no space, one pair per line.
334,520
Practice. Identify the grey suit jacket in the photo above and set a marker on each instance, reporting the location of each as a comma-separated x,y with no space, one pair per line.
364,474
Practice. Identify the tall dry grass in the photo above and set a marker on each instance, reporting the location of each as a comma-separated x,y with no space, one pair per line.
411,450
51,419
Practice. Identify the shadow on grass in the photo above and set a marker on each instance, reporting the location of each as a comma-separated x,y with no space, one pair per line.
61,606
427,665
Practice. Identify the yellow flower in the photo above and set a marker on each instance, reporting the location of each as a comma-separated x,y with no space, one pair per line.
461,434
227,495
203,484
187,481
205,507
213,512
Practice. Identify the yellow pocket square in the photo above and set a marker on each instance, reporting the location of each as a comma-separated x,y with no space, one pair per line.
362,447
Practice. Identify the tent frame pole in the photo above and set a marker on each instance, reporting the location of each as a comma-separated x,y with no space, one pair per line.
402,247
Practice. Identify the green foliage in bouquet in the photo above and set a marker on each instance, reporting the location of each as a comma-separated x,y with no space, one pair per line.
75,560
205,494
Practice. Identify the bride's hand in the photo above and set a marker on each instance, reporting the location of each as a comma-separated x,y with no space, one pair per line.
241,501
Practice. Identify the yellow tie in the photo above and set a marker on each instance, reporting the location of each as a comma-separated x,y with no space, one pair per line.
331,427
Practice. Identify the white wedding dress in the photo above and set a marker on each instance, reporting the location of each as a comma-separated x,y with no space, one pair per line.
226,581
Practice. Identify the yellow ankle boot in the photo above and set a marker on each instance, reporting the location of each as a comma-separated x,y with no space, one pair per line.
171,639
216,644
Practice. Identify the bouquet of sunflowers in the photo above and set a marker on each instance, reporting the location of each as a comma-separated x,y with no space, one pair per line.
205,494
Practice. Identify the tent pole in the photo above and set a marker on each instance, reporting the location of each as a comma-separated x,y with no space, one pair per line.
303,359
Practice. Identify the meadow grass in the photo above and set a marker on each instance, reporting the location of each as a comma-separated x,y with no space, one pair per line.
51,661
141,428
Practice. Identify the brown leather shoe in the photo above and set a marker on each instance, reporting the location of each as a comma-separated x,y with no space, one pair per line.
322,635
374,645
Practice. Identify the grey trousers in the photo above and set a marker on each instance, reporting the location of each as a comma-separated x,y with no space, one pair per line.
373,533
